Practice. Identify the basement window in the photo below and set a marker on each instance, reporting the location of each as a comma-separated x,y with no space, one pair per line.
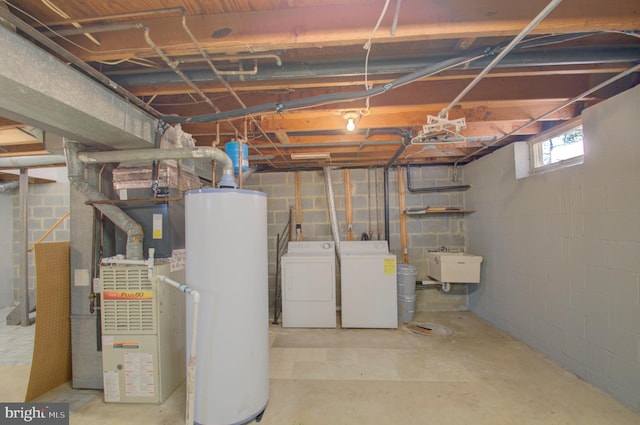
557,148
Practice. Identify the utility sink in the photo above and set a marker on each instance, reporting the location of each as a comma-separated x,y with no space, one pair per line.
454,267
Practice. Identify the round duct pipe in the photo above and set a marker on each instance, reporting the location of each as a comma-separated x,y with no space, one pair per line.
31,161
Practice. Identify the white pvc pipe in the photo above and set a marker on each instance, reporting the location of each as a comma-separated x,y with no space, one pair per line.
445,286
191,366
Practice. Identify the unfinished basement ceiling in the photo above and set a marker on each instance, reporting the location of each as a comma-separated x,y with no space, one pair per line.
294,66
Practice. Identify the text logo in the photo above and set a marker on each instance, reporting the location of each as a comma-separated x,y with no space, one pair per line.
34,413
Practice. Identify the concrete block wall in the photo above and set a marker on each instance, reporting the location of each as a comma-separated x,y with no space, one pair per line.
6,238
562,251
428,232
46,203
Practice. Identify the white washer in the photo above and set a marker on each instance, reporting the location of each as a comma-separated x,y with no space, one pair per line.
369,285
309,285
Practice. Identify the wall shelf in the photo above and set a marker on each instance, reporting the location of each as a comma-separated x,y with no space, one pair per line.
435,210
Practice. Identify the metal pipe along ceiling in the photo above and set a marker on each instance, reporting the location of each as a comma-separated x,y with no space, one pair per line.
543,14
538,57
334,97
221,78
427,71
546,114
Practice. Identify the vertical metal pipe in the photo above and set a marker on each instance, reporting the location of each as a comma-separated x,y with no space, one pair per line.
394,25
298,207
347,203
241,155
386,207
403,216
333,218
543,14
22,249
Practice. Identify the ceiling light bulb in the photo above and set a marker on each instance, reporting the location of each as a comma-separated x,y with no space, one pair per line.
351,124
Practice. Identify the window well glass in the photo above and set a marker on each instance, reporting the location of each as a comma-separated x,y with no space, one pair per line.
562,147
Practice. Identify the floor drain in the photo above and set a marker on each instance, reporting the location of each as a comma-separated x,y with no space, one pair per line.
430,329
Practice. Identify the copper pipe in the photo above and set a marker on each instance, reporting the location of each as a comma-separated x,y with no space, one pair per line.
230,89
403,216
347,202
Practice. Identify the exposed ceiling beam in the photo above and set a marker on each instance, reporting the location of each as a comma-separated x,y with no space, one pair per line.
386,117
350,24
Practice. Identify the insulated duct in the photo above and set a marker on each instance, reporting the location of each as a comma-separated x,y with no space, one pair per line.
137,155
133,230
29,161
9,186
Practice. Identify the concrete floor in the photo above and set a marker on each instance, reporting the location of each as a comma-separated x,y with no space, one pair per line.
477,376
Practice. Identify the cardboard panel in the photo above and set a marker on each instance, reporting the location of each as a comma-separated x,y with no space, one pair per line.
51,364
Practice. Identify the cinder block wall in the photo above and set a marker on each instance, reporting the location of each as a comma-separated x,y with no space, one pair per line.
562,251
428,232
46,203
6,260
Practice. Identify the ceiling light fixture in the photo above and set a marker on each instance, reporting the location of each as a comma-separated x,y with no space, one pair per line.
351,118
317,155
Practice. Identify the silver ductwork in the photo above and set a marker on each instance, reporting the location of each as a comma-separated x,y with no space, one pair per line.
9,186
29,161
76,170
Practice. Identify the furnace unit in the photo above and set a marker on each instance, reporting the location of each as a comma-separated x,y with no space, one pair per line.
143,334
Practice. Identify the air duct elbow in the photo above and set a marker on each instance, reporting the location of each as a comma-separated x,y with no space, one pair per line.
6,187
76,171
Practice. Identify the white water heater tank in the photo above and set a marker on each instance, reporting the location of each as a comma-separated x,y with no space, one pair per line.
226,244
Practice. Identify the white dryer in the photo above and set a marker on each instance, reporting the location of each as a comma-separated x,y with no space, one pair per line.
369,290
309,285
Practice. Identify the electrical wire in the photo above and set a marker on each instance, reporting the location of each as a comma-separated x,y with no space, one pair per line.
118,51
62,14
367,47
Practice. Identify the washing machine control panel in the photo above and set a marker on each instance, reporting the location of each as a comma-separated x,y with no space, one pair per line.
364,247
311,248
